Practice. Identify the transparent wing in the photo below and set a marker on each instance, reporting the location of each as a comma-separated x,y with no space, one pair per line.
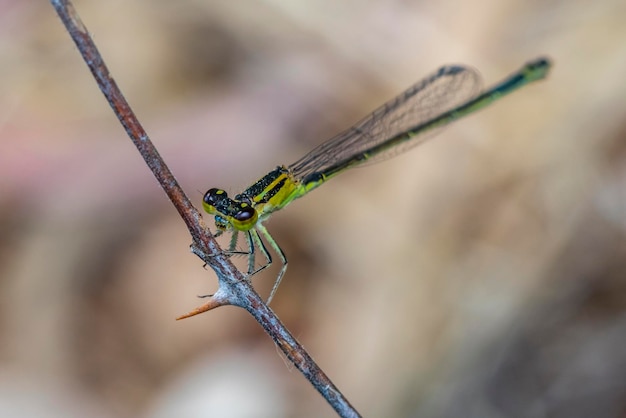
444,90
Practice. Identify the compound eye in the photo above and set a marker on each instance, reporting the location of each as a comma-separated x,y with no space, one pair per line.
245,214
245,218
212,196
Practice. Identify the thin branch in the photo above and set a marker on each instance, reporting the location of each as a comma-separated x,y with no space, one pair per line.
234,289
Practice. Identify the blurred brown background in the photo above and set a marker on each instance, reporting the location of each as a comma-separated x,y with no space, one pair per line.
481,275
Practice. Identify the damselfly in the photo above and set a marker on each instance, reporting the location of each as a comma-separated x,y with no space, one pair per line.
447,95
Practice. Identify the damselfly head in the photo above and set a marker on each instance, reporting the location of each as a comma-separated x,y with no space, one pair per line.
229,212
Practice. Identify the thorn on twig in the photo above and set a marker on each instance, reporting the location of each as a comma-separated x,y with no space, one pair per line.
211,304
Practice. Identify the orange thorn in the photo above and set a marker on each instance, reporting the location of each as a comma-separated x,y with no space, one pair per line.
211,304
